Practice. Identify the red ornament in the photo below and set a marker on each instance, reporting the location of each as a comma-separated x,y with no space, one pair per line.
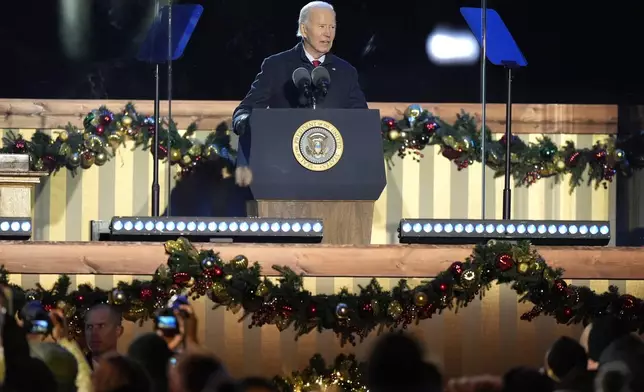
450,153
48,308
456,268
100,129
573,159
106,119
567,312
560,286
312,310
430,127
443,287
181,278
20,145
600,155
504,262
146,294
628,301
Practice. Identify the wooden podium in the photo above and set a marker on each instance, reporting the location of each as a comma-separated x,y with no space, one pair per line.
16,185
345,222
316,163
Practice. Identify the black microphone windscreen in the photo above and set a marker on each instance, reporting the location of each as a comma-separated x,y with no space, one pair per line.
300,76
320,75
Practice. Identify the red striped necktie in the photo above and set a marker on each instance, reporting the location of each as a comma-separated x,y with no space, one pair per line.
316,63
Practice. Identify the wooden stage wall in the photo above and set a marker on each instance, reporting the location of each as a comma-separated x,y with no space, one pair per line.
64,205
486,337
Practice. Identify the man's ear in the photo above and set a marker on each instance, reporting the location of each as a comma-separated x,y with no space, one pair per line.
303,31
119,330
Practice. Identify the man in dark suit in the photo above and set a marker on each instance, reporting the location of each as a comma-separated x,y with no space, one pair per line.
273,86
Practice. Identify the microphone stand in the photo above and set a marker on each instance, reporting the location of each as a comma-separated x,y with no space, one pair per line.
169,142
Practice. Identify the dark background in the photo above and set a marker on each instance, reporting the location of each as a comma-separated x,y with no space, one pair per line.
577,51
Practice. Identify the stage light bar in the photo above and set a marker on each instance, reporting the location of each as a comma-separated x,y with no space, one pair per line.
468,231
15,228
237,229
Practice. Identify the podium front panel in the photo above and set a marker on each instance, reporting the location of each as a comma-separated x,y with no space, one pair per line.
306,154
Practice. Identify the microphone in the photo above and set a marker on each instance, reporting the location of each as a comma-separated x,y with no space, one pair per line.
302,80
321,79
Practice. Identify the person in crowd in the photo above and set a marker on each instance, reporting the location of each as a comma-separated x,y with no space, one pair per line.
566,364
523,379
153,354
273,86
583,341
197,371
603,332
116,373
102,331
483,383
60,362
621,366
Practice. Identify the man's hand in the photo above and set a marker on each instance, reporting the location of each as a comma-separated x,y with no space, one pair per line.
243,176
60,329
241,123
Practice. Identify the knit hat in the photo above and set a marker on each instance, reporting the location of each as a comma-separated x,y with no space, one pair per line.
605,330
565,355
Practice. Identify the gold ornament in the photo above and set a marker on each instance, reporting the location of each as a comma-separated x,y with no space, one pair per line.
39,165
186,160
64,149
393,134
218,289
523,268
195,150
342,311
118,297
420,299
115,139
63,135
87,160
190,282
126,120
548,275
93,143
211,151
74,159
262,290
282,323
412,112
468,277
100,159
162,272
395,310
537,265
175,155
135,311
240,262
172,246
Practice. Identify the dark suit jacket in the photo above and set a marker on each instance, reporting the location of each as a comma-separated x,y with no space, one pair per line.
274,88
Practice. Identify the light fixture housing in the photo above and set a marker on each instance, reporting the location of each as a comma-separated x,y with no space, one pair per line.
277,230
472,231
15,228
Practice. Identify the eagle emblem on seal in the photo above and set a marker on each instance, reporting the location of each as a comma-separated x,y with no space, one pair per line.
317,145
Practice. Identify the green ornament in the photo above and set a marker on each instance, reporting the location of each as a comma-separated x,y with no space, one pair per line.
89,120
548,152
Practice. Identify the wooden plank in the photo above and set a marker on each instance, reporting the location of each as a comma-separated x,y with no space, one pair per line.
527,118
118,258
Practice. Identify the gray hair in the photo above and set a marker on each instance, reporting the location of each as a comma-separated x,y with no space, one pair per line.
306,10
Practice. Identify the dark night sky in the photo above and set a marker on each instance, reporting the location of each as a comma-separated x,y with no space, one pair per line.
576,52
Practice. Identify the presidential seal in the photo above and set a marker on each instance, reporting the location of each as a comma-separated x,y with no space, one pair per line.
317,145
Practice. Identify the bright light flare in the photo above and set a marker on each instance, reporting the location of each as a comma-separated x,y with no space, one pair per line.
452,47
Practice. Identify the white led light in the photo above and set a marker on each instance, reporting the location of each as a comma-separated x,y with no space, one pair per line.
479,228
563,229
212,226
306,227
489,229
222,226
458,228
427,228
117,225
572,229
296,227
192,226
406,227
604,229
500,229
511,229
286,227
317,227
264,227
202,226
449,228
25,226
254,227
583,229
138,226
4,226
15,226
244,226
160,226
521,229
594,229
552,229
542,229
170,226
438,228
128,225
275,227
233,226
149,225
532,229
181,226
469,228
417,228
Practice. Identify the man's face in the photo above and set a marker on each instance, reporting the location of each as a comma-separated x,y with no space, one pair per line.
101,331
319,30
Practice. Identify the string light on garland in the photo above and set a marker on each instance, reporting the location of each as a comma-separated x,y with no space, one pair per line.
239,285
104,131
460,142
345,374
